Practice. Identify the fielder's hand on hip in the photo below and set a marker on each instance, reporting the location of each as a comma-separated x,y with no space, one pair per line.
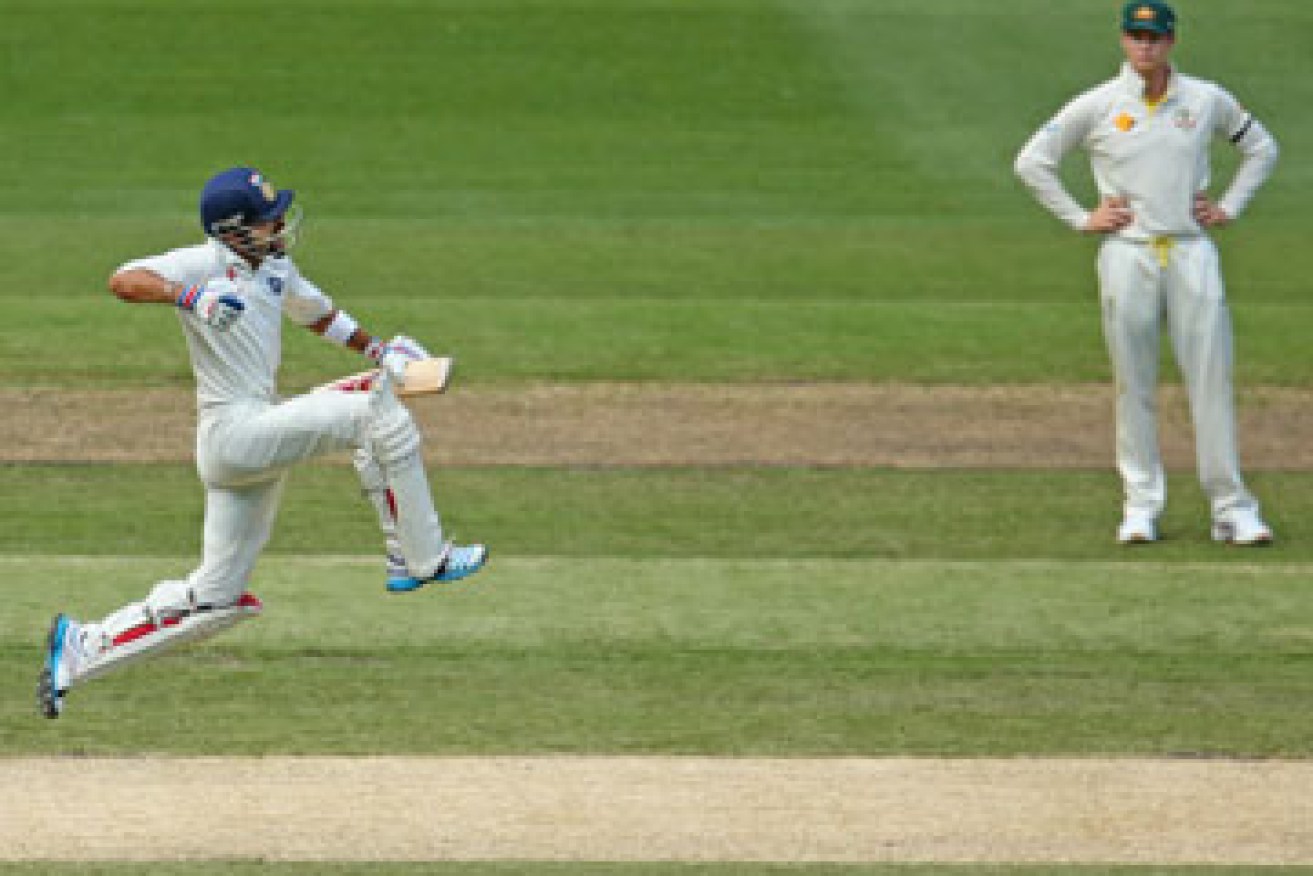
215,303
1111,215
1208,214
396,354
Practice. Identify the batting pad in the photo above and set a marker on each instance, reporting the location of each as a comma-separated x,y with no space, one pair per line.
149,637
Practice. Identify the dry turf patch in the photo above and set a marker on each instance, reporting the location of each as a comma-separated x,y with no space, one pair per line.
1050,426
650,809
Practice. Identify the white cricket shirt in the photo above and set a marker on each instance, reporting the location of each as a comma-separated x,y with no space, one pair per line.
1155,157
242,362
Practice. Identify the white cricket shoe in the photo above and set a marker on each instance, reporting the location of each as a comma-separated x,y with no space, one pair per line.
1243,527
63,656
1137,529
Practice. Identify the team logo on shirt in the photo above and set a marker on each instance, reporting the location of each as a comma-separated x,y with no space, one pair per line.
276,286
1124,122
1184,120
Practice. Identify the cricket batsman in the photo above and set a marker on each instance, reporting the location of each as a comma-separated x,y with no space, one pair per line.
231,293
1147,134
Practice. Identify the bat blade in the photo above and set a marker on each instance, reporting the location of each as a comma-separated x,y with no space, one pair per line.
423,377
426,377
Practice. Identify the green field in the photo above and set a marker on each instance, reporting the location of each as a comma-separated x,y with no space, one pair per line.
646,190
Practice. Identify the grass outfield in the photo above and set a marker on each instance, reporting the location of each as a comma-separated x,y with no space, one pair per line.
655,338
661,513
729,657
782,612
734,611
569,190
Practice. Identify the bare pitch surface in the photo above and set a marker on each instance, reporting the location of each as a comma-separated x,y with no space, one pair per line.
616,424
650,809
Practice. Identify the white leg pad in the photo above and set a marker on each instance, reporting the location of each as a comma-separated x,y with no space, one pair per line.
374,486
395,451
392,430
159,623
418,527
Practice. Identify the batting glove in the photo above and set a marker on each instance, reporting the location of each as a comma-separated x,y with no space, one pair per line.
215,303
399,352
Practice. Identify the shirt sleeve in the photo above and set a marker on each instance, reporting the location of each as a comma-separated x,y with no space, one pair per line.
188,266
1037,163
303,301
1258,151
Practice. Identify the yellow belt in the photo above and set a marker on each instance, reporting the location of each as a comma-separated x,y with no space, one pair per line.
1162,246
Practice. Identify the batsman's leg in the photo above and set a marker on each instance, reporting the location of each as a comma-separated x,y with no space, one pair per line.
374,487
211,599
395,445
329,419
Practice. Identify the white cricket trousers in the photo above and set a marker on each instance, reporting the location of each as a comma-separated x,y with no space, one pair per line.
243,452
1180,280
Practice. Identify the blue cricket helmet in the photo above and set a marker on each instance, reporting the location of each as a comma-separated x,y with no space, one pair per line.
240,197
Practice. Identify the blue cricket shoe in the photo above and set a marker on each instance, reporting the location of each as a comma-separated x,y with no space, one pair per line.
461,562
62,651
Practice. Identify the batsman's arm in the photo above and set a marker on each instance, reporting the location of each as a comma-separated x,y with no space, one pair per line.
140,286
416,371
341,328
215,303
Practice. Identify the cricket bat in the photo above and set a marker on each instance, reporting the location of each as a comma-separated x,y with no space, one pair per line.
426,377
423,377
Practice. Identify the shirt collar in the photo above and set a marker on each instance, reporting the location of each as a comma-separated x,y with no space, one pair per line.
230,260
1134,85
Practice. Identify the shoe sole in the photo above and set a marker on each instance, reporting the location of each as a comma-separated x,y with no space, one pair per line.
1223,535
1138,536
404,585
49,698
1262,541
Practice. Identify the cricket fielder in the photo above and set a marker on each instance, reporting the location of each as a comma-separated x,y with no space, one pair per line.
1147,134
231,293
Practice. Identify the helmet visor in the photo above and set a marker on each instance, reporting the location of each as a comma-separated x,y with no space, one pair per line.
289,233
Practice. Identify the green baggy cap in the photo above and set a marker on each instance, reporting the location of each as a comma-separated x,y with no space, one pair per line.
1150,15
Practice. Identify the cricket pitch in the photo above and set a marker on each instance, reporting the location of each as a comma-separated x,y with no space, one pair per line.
1023,810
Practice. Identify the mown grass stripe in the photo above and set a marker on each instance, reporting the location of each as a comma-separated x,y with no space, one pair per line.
1145,567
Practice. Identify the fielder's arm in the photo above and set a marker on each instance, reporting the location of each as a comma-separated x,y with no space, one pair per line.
1258,156
1037,163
